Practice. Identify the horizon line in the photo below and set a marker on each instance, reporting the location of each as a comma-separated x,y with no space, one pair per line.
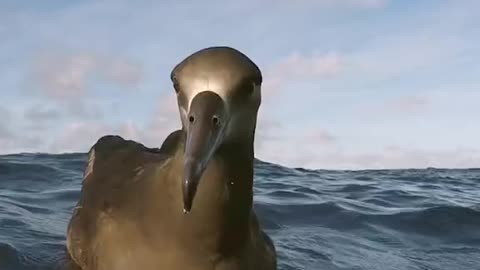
275,164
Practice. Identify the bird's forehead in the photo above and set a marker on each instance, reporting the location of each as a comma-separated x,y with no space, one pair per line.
221,82
221,70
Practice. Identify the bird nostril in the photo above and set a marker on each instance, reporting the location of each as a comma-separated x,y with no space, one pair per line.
215,120
191,118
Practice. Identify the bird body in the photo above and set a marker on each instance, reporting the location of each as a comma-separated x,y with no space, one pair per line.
130,214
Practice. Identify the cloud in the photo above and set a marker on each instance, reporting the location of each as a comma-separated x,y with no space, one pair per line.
273,144
37,120
40,116
37,113
80,135
368,3
268,131
390,157
388,69
121,71
321,137
68,75
81,109
408,104
20,143
320,149
310,149
166,119
301,67
10,139
400,157
357,4
413,53
63,76
397,105
360,3
350,3
5,121
310,67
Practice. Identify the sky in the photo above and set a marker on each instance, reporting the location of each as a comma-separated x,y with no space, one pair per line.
348,84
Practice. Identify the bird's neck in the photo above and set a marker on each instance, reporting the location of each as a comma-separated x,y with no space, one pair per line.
229,174
222,208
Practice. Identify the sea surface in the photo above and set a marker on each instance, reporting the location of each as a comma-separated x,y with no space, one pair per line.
319,219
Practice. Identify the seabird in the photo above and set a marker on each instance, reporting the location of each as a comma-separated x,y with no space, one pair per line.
188,204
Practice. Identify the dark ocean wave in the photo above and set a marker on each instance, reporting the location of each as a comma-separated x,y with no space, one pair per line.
319,219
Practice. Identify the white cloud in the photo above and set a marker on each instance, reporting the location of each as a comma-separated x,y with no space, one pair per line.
10,139
166,119
415,52
38,113
310,149
320,149
358,4
351,3
80,135
121,71
409,45
81,109
392,157
314,66
64,75
301,67
403,105
5,121
267,131
408,104
401,157
20,143
321,137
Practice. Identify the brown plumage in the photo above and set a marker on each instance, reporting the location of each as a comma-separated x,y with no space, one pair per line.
188,204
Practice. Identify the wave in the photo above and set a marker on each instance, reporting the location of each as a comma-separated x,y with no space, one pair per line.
319,219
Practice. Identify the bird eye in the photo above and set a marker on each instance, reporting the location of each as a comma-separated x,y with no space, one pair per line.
252,87
249,87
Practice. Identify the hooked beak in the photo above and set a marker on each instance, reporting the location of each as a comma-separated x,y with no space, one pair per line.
205,130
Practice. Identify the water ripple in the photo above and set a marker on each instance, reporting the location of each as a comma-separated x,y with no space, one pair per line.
319,219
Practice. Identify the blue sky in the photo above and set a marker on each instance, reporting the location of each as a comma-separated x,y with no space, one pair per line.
349,84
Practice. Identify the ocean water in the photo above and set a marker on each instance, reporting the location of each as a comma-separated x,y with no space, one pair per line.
319,219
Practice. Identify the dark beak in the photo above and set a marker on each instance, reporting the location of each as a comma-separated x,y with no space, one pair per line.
206,123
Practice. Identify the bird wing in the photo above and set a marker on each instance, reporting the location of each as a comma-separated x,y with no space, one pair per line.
111,168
